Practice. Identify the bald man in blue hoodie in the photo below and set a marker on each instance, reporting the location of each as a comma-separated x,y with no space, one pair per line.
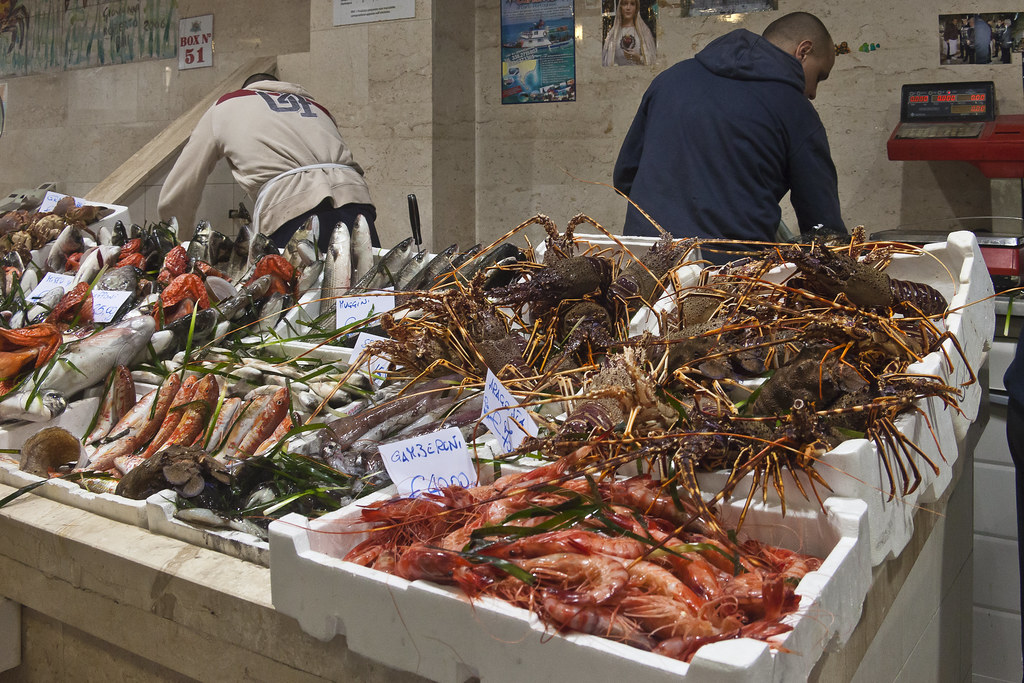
718,140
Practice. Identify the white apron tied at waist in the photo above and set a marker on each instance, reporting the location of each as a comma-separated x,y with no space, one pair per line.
258,206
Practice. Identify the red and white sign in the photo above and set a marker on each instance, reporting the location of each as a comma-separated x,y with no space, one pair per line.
195,42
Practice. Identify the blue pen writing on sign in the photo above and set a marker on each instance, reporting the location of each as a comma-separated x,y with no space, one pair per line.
420,484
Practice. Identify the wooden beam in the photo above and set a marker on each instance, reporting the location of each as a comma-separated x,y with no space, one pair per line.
116,187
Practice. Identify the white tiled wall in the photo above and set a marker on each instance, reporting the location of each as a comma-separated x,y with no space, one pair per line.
997,622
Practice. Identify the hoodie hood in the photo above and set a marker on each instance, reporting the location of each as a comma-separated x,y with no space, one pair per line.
746,56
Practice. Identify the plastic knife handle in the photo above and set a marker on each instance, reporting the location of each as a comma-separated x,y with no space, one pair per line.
414,220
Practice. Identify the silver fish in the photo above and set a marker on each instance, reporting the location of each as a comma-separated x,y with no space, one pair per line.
86,362
29,280
69,241
383,274
123,279
306,310
338,264
44,306
410,270
239,253
300,250
93,262
310,277
198,246
362,248
270,313
437,266
41,407
233,308
259,246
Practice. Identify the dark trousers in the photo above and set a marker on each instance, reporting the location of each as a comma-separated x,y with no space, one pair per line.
1015,438
329,217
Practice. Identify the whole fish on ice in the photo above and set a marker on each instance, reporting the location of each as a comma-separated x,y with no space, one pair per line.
83,363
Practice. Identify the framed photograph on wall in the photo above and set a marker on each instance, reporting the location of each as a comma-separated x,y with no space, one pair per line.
979,37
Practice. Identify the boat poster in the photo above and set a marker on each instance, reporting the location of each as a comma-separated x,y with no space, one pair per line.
538,51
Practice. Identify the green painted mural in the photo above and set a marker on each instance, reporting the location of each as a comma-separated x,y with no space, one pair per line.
38,36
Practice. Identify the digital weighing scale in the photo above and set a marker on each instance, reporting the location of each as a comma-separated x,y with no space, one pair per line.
958,122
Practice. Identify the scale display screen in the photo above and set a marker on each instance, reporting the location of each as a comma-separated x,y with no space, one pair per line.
967,101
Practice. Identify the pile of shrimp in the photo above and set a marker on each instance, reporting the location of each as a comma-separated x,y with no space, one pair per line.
620,559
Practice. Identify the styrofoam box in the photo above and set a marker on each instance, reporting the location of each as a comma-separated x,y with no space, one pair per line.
436,632
120,214
854,469
75,419
160,509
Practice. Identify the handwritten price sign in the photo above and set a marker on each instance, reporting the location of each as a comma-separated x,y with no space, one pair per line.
376,365
349,310
503,415
106,304
429,463
50,282
51,198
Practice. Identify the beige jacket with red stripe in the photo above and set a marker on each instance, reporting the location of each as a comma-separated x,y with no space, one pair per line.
262,131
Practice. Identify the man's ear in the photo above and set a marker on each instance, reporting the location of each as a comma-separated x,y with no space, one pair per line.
803,49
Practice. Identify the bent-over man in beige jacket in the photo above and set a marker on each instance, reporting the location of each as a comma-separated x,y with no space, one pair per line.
284,150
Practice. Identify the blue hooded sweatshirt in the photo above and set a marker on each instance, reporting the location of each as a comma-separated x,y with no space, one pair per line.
717,142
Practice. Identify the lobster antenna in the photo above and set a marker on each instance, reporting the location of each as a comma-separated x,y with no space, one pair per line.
663,231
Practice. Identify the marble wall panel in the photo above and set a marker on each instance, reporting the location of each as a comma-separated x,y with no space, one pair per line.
254,28
104,96
95,145
36,102
339,70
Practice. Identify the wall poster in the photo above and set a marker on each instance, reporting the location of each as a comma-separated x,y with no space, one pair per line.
538,51
980,37
629,30
38,36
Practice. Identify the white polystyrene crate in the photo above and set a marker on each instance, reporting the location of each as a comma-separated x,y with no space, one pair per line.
75,419
493,641
832,597
160,509
120,214
854,470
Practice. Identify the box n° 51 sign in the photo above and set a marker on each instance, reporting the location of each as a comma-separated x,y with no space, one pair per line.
195,42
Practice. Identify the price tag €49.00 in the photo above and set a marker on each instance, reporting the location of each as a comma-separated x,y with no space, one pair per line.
503,415
428,463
